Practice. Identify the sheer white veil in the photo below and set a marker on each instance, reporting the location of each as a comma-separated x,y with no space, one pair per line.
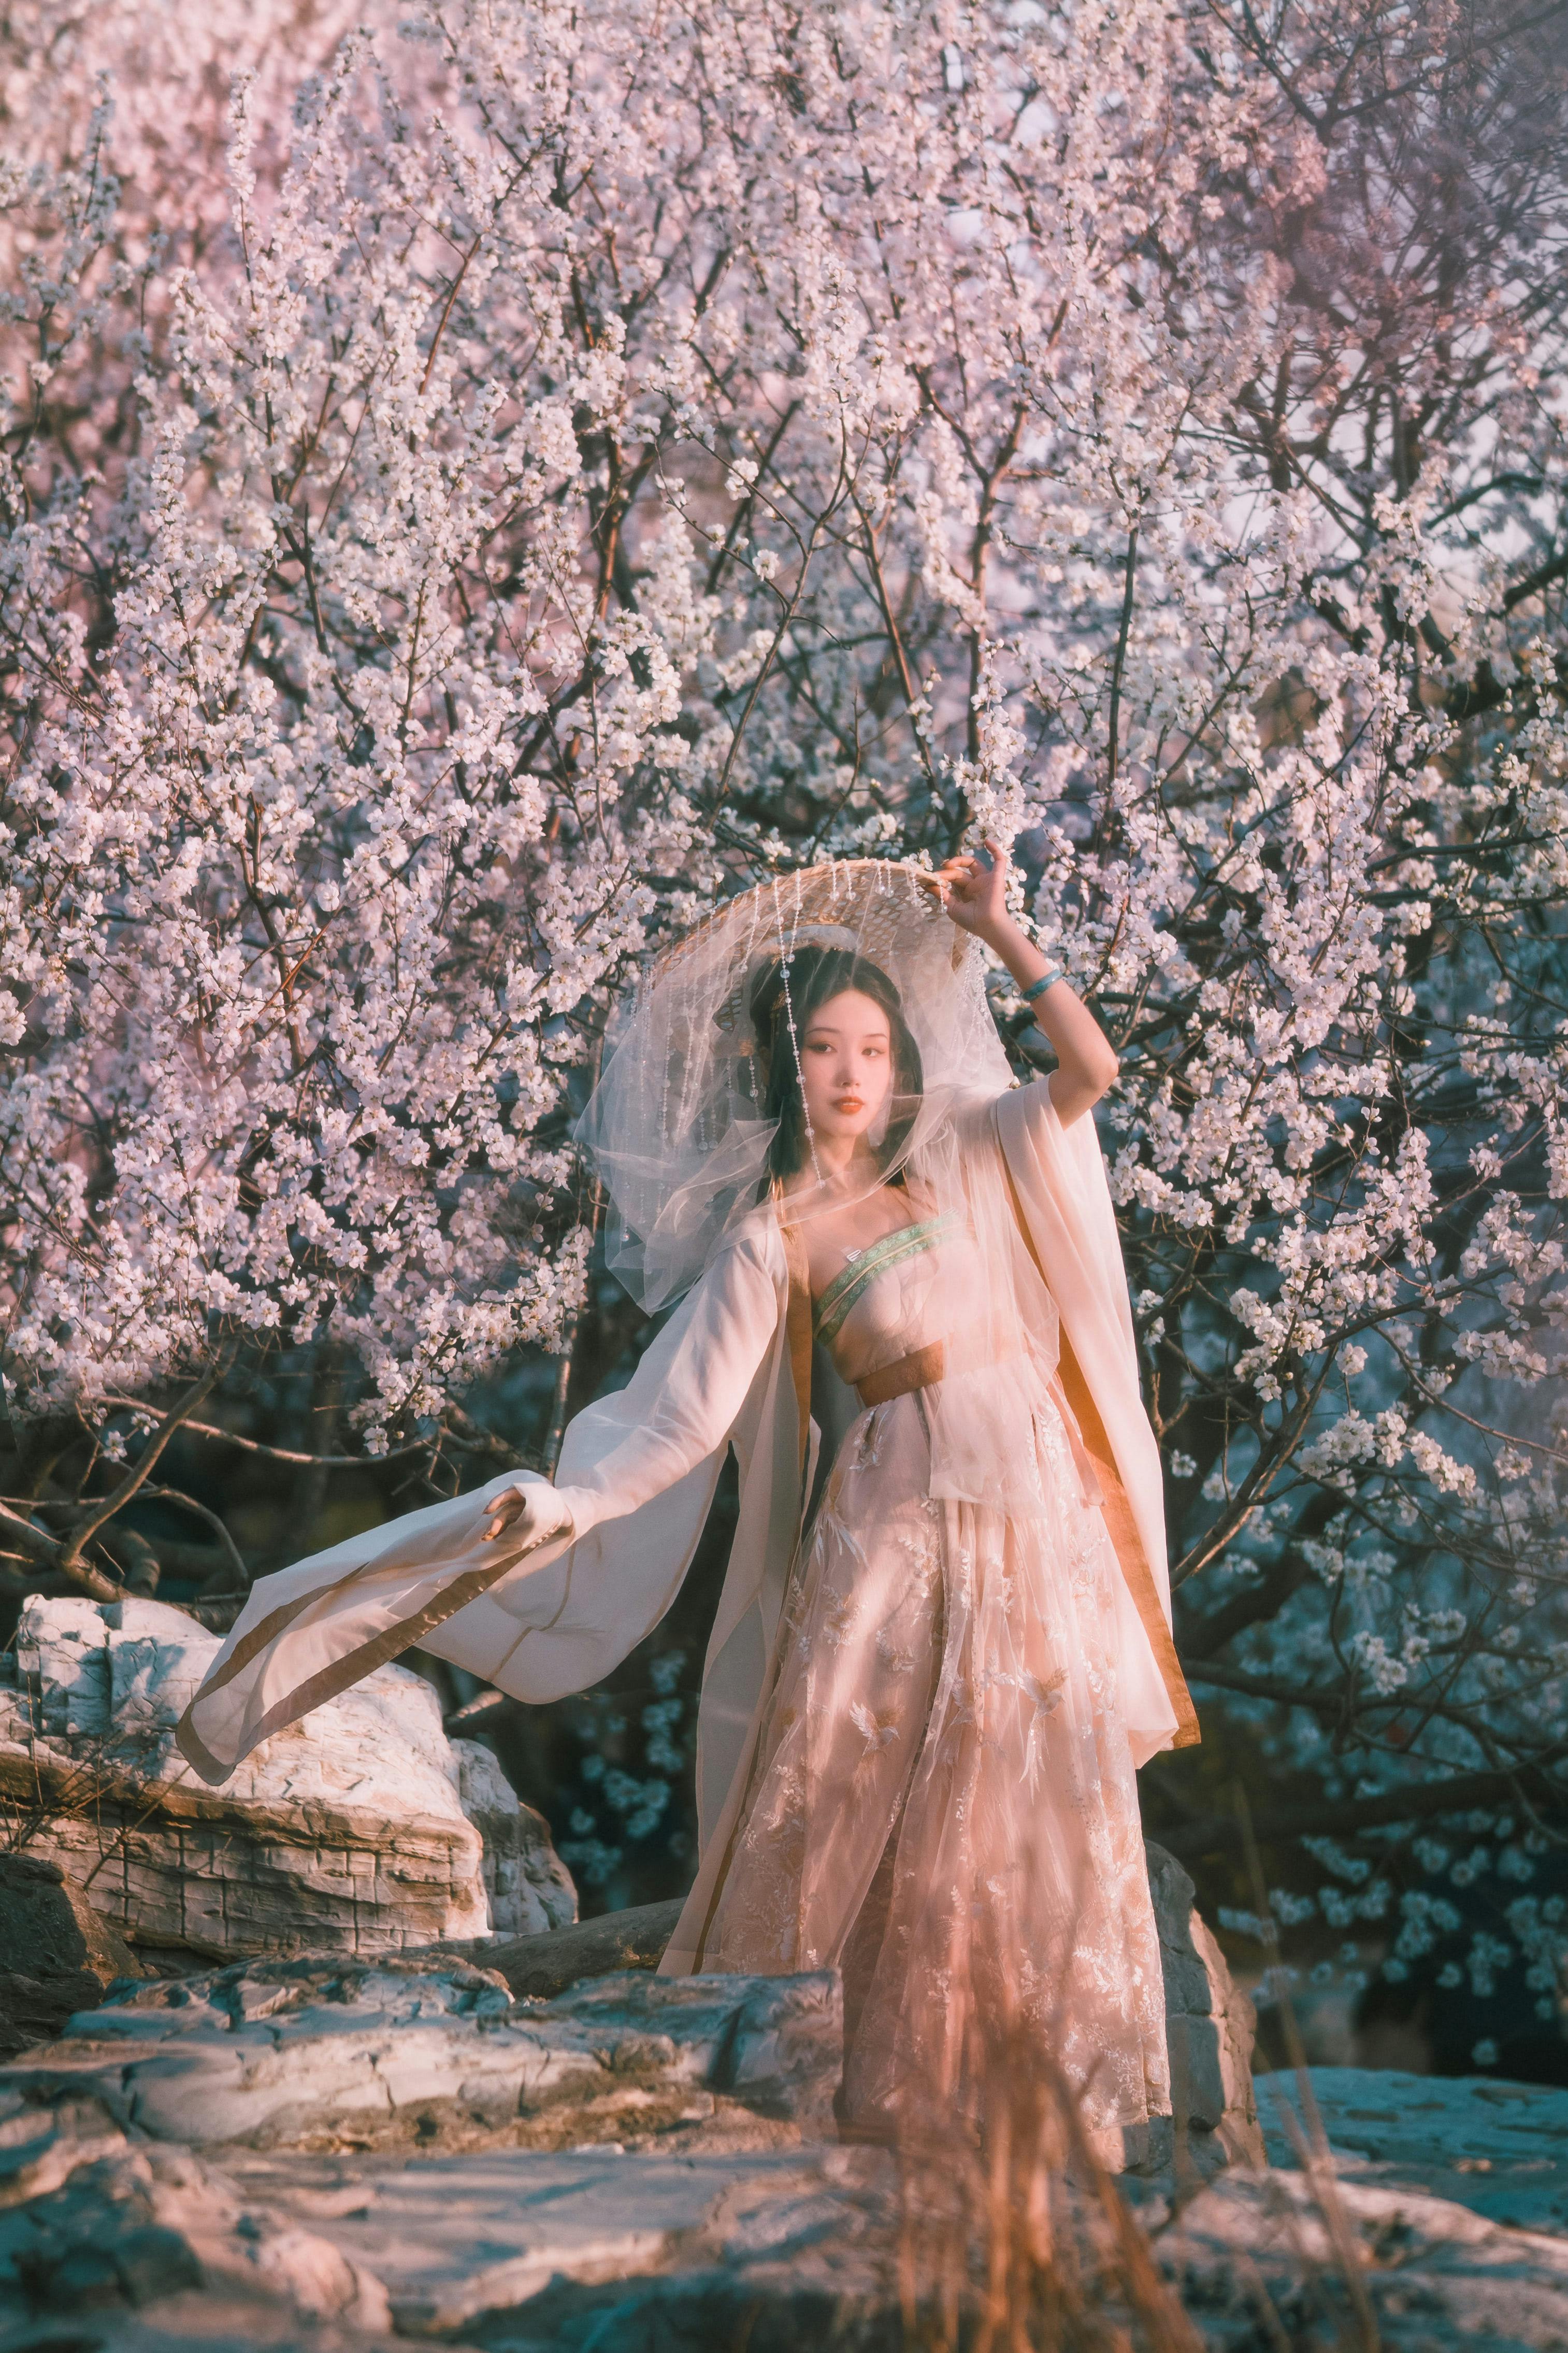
675,1125
676,1130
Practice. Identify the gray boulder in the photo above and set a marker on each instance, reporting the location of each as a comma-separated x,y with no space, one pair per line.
529,1889
361,1830
1210,2027
57,1954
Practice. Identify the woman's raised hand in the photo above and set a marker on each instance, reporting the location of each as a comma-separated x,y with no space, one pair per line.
528,1515
973,894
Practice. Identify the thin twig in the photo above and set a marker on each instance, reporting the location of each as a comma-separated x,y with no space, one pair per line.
1129,578
285,1454
83,1533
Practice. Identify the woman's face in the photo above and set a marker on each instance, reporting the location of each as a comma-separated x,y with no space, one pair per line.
846,1066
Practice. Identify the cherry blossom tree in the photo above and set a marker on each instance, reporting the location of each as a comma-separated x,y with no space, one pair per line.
479,485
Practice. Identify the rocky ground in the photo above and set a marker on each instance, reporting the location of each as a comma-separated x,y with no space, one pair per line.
330,2154
523,2141
1431,2213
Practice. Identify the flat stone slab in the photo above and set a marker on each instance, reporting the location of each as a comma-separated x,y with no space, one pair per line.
263,2052
1431,2275
674,2239
453,2238
1498,2148
582,2251
91,2224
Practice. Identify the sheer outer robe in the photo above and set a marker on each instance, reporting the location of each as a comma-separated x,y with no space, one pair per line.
638,1473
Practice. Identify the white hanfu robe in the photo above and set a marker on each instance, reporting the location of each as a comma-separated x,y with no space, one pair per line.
932,1699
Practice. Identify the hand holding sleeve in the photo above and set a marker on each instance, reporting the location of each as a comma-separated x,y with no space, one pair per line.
539,1515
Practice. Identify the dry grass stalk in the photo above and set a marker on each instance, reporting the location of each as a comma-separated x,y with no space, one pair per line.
1015,2237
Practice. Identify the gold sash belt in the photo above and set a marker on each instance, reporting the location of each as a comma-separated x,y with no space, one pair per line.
912,1372
925,1366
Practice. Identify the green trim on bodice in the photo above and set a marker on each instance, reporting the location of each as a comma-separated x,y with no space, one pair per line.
904,1242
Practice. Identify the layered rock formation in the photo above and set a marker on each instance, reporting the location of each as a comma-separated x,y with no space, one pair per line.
361,1831
1209,2021
401,2052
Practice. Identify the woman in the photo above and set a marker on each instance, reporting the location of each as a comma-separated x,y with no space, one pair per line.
942,1645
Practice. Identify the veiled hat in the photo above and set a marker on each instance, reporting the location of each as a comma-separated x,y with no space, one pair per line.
674,1126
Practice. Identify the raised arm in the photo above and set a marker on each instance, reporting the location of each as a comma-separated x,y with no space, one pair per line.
975,896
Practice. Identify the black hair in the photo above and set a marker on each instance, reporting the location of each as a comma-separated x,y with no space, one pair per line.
791,989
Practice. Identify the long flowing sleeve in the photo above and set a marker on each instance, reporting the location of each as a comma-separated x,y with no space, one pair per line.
1062,1197
685,1396
541,1620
